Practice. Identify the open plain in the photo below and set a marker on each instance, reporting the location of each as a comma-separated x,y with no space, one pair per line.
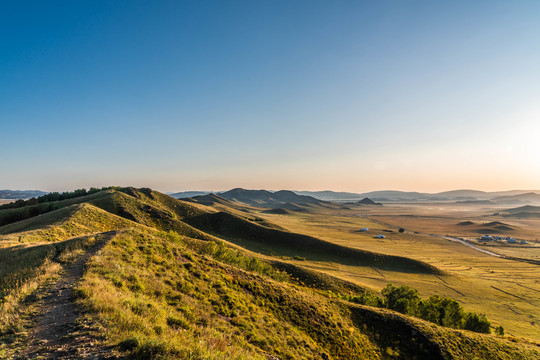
506,290
118,273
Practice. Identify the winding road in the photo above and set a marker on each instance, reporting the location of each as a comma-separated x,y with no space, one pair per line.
467,244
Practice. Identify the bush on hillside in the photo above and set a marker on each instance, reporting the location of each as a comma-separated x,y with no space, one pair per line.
440,310
403,299
478,323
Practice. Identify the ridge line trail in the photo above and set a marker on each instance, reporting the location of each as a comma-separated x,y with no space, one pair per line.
52,336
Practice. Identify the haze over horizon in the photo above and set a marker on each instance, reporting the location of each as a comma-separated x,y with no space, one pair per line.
355,96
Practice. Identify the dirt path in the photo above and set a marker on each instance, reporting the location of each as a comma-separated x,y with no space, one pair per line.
57,334
451,238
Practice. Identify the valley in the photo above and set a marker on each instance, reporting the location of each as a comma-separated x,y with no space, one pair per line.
258,275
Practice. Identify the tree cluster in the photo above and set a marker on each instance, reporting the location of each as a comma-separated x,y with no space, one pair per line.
53,196
440,310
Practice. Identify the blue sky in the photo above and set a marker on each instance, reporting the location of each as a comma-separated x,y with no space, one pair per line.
350,95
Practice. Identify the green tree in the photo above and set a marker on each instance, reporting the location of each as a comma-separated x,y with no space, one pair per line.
403,299
478,323
441,310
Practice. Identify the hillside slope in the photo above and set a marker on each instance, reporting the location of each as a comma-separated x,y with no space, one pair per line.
267,199
170,281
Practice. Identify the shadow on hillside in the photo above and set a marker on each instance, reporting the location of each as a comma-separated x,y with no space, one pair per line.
268,241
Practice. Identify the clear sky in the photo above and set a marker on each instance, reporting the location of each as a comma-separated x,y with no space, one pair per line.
307,95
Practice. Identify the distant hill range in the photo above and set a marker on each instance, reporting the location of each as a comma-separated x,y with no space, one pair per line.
368,201
263,198
176,267
188,194
259,197
20,194
523,212
283,199
462,196
526,198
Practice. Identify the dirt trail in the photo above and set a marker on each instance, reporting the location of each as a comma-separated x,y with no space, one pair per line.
57,335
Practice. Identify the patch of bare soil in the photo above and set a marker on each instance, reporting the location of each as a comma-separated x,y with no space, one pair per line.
58,333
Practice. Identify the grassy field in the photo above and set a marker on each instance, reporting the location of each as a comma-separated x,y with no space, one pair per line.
183,280
507,291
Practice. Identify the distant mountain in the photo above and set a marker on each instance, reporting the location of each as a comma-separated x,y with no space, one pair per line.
20,194
368,201
393,195
385,195
464,194
530,197
484,202
190,265
412,196
527,208
188,194
328,195
209,199
264,198
522,212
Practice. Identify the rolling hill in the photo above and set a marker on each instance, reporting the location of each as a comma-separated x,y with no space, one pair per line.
267,199
522,212
493,227
408,196
137,274
527,198
188,194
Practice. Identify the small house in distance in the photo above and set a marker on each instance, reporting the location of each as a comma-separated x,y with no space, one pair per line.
364,229
381,237
485,238
512,241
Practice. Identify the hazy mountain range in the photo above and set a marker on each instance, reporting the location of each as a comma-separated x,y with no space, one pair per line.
271,198
261,198
20,194
497,197
511,196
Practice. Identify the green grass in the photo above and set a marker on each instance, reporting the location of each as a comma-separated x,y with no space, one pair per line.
192,297
269,241
9,216
158,291
70,221
175,282
469,276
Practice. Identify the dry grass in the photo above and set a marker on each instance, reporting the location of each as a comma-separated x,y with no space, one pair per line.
470,277
164,289
12,309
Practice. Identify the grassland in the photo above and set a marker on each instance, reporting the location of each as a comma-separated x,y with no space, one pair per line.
206,281
507,291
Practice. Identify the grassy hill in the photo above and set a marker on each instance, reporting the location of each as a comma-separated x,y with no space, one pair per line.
169,279
267,199
522,212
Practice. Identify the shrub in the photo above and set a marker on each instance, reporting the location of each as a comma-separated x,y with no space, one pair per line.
368,299
478,323
403,299
441,310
